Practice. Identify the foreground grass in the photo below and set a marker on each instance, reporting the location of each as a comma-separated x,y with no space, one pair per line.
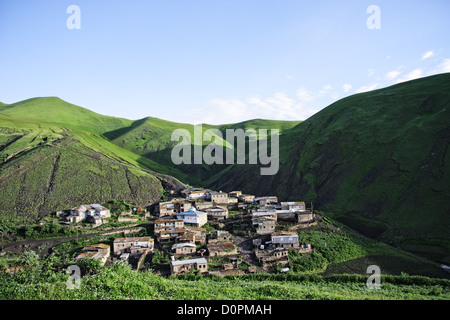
120,282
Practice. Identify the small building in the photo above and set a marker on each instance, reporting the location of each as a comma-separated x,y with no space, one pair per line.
167,224
263,201
170,234
217,213
268,257
222,235
219,197
198,194
193,217
294,206
235,194
97,251
202,205
185,266
183,248
221,249
96,220
305,216
284,239
133,245
246,198
264,222
82,212
187,237
167,208
200,234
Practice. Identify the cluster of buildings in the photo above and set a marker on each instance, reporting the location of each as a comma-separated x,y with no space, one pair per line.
93,213
121,247
179,229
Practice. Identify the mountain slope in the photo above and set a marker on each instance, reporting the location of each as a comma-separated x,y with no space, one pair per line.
378,160
52,110
46,168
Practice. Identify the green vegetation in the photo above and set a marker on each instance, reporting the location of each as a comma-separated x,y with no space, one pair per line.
119,281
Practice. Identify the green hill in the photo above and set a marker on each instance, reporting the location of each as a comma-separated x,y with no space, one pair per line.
51,166
52,110
377,161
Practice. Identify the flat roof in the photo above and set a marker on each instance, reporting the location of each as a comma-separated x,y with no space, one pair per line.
188,261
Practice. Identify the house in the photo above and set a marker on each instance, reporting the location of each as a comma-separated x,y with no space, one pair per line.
221,249
284,239
193,217
294,206
235,194
167,208
185,266
219,197
183,248
200,234
170,234
81,213
263,201
305,216
198,194
202,205
97,251
96,220
264,222
187,237
247,198
133,245
222,235
268,257
217,213
167,224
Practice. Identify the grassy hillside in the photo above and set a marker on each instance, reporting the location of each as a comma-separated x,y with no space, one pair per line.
46,168
377,161
54,111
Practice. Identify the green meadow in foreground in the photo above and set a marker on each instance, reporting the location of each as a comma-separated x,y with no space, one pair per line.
119,281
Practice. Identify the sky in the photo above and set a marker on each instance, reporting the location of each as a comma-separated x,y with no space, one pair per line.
216,61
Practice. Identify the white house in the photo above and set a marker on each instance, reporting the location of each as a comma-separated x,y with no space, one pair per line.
193,217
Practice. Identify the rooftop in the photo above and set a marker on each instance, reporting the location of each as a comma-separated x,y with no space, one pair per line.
188,261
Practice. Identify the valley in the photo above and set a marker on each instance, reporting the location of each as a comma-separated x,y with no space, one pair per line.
375,165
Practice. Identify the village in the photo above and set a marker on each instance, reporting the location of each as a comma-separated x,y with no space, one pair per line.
206,231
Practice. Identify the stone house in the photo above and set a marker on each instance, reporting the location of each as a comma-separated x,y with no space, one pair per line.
217,213
247,198
284,239
82,212
263,201
167,208
167,224
294,206
268,257
219,197
185,266
264,222
170,234
184,248
98,251
200,234
133,245
221,249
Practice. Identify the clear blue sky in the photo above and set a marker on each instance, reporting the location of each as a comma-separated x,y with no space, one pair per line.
216,61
